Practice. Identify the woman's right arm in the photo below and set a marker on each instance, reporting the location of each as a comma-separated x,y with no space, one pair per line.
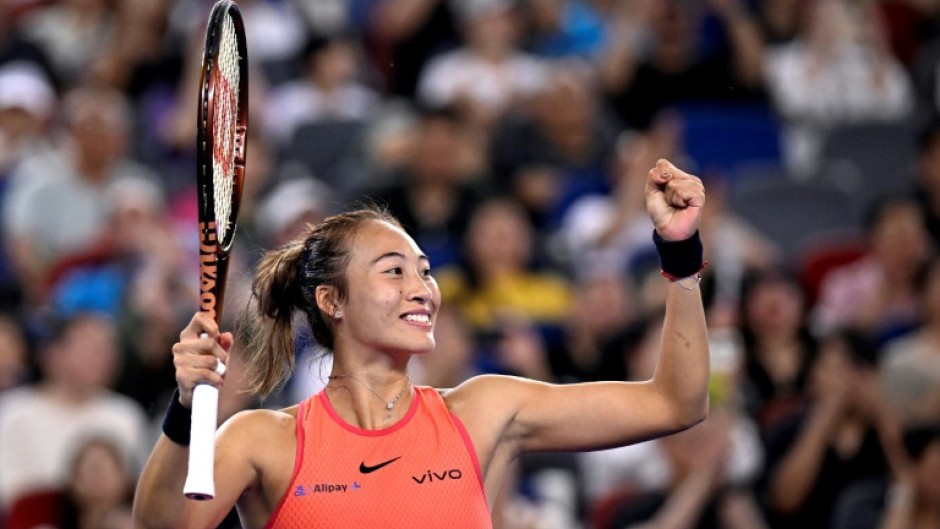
159,502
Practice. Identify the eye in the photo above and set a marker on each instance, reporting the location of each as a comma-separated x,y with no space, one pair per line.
395,270
426,272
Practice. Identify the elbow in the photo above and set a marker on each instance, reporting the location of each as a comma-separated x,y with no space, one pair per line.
697,414
685,415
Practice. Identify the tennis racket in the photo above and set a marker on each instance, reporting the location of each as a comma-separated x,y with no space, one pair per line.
220,172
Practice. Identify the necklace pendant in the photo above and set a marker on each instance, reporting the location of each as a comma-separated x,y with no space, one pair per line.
389,406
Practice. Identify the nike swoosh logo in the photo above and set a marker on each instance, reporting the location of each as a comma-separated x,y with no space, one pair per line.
366,470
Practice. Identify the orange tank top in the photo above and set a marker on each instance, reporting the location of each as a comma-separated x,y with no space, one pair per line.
422,472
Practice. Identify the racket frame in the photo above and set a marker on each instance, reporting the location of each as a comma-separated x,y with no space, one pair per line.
214,251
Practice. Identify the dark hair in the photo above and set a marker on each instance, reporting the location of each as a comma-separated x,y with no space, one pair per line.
438,111
70,507
918,438
287,279
56,327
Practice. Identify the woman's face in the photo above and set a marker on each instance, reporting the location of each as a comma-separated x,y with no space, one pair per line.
392,300
98,477
775,307
499,238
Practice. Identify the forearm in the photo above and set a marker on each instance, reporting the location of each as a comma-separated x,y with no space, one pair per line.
685,505
683,369
159,502
738,510
747,45
797,473
618,64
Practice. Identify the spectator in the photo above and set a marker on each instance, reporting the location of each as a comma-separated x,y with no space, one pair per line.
778,347
96,494
40,425
410,33
702,477
652,62
878,292
289,206
328,90
56,204
838,71
911,499
706,473
915,496
27,103
605,231
911,362
599,313
434,194
490,74
499,279
72,33
564,149
834,443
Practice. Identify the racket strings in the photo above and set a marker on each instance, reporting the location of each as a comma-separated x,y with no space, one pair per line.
226,114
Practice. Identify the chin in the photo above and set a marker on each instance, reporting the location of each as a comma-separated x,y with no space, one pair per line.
425,349
409,347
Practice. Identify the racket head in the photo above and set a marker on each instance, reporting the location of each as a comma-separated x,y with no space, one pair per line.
221,145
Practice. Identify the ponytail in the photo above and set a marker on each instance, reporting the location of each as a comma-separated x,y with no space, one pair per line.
275,294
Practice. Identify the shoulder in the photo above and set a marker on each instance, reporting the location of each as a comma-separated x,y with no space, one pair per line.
19,402
263,436
119,403
261,423
494,393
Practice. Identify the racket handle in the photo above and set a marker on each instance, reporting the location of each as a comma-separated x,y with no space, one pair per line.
200,482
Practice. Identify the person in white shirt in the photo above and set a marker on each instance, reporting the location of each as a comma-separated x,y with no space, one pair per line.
489,74
42,425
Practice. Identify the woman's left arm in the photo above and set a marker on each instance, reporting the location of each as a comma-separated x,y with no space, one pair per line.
603,414
598,415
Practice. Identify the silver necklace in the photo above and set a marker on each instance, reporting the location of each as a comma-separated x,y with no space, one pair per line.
389,405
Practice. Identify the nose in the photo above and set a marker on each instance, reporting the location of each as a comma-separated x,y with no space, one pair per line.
418,288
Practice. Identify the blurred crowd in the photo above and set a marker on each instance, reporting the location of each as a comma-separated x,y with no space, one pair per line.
513,139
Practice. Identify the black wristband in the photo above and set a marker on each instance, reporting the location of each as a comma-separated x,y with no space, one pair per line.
679,259
178,420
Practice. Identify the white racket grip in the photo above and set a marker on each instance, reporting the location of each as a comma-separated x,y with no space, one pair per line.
200,482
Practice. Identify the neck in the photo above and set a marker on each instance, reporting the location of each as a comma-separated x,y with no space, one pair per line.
369,398
95,172
70,394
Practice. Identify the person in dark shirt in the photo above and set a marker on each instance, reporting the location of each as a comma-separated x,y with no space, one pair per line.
834,443
433,196
640,87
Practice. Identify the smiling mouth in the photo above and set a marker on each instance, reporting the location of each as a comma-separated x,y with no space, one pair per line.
422,319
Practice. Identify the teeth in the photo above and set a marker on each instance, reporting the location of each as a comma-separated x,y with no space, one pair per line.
421,318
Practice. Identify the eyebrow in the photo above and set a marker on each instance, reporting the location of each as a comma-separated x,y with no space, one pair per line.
399,255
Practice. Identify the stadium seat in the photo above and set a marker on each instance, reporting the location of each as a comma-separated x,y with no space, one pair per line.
797,214
325,147
882,154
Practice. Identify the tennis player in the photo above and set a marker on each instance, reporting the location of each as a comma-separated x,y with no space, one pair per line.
374,450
